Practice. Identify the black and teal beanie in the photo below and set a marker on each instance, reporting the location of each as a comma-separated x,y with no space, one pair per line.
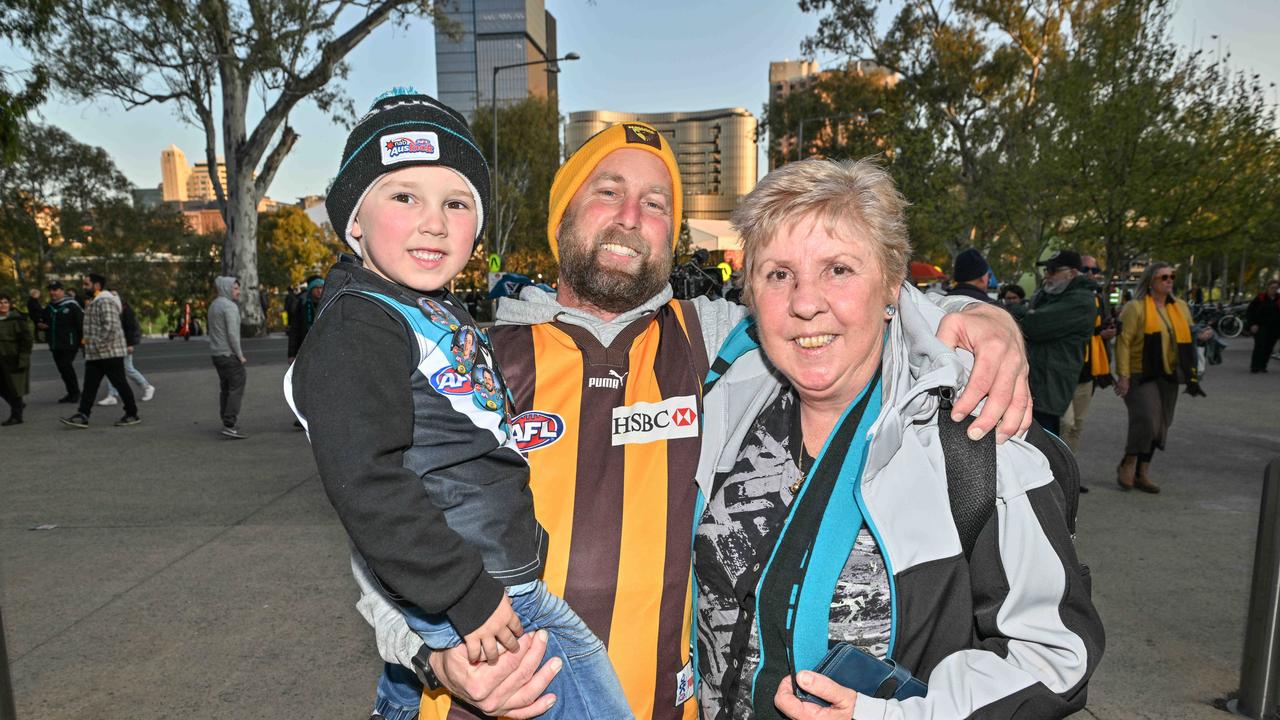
404,128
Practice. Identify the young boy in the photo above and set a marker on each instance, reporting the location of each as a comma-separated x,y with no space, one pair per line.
407,413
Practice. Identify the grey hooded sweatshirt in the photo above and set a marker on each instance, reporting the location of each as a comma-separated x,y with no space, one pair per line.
224,320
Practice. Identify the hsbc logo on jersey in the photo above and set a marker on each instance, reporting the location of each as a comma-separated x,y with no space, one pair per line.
533,429
670,419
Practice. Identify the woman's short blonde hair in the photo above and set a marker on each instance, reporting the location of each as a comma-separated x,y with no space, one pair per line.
847,196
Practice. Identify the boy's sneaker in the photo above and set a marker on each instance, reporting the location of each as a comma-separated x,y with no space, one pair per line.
234,432
77,420
128,420
148,392
108,400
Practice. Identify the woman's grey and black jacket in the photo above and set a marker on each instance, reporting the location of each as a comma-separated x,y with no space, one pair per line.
1010,633
429,486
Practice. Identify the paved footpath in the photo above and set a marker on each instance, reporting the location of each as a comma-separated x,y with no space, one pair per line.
189,575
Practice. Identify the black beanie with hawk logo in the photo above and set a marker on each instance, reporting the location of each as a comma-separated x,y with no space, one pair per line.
402,129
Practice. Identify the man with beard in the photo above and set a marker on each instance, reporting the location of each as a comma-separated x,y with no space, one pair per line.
606,382
1058,324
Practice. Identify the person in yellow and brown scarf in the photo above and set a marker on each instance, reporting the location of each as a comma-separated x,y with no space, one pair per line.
1154,354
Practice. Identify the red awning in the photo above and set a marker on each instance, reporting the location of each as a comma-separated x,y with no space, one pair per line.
921,271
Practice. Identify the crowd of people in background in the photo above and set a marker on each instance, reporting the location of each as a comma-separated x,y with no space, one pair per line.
1146,347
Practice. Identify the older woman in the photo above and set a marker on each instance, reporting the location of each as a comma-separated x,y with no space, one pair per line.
827,516
1154,354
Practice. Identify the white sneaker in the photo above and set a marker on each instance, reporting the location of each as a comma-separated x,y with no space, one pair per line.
148,392
108,400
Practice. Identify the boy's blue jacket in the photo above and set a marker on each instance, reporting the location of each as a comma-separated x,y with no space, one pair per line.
415,456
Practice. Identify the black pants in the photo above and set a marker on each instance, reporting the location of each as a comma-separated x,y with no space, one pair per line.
1264,344
1049,422
113,370
65,360
231,377
9,390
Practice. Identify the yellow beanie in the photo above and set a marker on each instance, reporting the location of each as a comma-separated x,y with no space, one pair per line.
582,163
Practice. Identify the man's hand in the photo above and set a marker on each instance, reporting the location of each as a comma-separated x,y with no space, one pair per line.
243,360
1253,329
1122,386
512,687
1108,332
842,699
502,628
999,370
129,349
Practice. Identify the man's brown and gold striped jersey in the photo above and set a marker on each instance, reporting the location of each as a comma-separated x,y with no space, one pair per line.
613,435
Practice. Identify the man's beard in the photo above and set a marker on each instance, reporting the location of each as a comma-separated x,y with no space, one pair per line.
610,289
1056,287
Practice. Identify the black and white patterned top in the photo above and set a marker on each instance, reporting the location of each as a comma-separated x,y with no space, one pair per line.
734,539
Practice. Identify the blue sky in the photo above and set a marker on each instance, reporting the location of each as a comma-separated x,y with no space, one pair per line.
661,55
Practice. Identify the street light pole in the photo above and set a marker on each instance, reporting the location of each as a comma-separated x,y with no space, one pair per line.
493,97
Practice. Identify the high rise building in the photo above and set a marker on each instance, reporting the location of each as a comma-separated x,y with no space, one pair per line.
715,149
788,76
200,184
180,182
174,174
493,33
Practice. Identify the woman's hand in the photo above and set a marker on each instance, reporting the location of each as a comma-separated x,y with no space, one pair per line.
999,370
510,688
1122,386
842,699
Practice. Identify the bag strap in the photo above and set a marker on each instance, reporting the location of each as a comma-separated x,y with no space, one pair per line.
971,474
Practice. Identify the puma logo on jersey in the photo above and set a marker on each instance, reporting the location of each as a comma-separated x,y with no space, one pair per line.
613,383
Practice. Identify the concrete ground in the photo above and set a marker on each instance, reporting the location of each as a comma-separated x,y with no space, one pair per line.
190,575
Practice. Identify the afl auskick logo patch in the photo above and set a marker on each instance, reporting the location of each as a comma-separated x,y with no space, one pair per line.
670,419
642,135
533,429
402,147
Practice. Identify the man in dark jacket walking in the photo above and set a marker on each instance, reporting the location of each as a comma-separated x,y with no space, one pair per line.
65,333
1057,323
1264,322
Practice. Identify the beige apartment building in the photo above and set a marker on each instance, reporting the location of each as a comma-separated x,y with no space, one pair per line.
716,151
180,182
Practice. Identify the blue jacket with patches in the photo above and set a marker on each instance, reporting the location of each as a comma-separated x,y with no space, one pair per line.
406,414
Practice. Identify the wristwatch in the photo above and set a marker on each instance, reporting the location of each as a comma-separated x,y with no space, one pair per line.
422,667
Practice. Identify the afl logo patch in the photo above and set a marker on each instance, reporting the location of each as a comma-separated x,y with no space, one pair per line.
533,429
448,382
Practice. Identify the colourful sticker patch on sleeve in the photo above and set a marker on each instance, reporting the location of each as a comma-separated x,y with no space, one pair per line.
438,314
465,348
488,388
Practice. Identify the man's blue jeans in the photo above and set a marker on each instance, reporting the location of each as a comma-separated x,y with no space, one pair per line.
586,687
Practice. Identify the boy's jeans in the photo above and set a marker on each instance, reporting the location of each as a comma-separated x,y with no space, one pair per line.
586,687
138,378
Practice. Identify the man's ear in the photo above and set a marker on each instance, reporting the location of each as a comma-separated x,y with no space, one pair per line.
356,232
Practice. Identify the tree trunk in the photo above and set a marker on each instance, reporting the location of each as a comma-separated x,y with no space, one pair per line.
239,251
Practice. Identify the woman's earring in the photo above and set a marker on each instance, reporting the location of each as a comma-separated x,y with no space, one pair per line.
890,311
